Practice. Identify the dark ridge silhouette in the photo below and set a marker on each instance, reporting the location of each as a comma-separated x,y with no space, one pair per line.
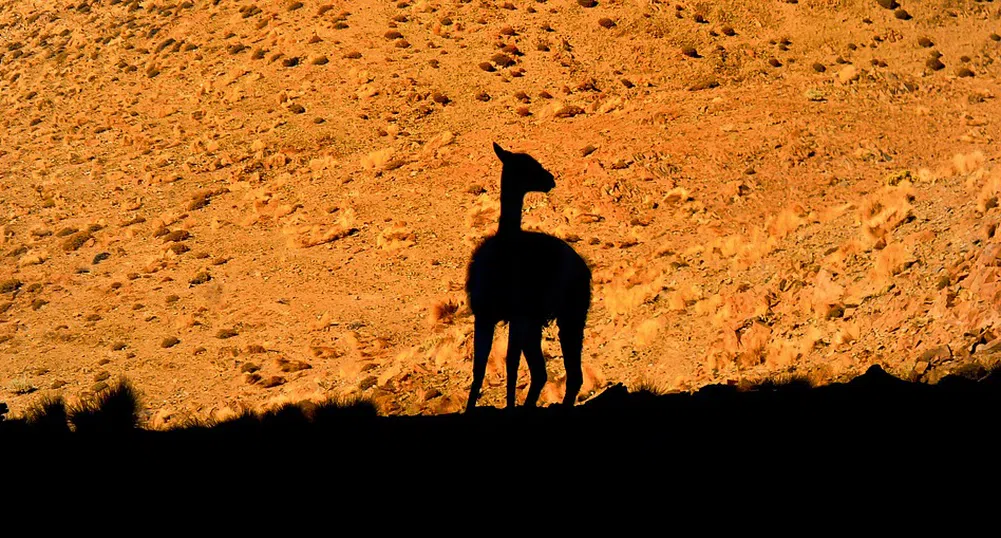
872,419
529,280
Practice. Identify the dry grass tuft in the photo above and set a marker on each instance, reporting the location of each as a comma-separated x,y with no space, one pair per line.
443,312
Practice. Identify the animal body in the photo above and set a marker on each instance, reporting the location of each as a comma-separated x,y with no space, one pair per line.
529,280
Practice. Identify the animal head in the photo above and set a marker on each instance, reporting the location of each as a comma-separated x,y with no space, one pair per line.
523,173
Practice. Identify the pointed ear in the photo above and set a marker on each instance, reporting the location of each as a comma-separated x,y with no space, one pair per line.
501,152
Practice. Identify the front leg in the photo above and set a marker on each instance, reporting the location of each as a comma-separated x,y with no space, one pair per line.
483,339
514,340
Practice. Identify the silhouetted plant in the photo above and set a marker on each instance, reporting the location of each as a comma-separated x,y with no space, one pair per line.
112,411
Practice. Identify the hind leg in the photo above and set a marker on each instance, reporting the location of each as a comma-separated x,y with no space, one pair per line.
572,343
483,339
514,345
532,346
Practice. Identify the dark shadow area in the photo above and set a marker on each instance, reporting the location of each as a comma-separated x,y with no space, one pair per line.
874,417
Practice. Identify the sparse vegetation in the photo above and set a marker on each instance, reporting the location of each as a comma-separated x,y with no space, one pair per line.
21,386
444,312
114,410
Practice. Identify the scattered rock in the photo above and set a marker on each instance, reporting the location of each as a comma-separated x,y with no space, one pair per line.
847,74
502,60
990,348
75,241
272,382
176,235
815,95
226,333
10,285
568,111
440,98
943,282
835,311
936,355
706,83
169,342
288,366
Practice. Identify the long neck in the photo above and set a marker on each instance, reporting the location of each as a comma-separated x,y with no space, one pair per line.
510,211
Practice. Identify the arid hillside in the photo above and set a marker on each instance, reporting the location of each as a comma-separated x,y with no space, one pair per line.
236,203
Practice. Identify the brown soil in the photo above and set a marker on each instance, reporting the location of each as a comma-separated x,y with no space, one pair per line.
763,188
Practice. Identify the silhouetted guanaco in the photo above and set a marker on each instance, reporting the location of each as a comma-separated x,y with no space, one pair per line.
527,279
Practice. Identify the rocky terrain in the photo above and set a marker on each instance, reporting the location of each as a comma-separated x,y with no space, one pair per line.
238,203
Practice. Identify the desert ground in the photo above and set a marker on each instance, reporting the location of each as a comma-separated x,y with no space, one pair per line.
237,204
